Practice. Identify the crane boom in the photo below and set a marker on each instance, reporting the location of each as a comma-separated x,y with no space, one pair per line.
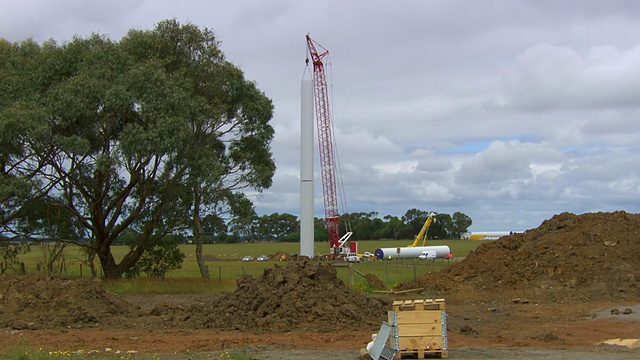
325,145
422,235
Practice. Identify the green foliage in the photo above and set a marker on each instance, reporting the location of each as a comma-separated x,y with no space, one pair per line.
441,227
320,232
214,226
461,224
277,227
127,237
99,137
365,226
392,229
163,257
292,237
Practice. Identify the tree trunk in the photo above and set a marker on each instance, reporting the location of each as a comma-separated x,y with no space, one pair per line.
92,265
111,270
197,233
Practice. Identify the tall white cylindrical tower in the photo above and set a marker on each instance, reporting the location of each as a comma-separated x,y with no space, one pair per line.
306,170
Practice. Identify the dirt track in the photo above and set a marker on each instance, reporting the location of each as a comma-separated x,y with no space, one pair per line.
547,293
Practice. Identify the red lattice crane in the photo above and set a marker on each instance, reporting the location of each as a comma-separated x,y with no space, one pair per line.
326,150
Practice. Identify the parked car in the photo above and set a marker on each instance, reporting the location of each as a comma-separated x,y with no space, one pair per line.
427,255
263,258
247,258
352,257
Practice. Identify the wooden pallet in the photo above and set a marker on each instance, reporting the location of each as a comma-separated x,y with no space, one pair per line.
423,304
421,354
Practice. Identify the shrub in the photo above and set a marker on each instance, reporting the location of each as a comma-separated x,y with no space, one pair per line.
163,257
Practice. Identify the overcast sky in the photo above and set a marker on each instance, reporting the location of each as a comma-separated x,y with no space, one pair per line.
507,111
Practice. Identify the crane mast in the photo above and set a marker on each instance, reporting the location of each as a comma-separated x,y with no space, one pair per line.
325,146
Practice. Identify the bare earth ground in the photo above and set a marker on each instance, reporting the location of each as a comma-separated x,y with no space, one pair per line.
562,331
556,292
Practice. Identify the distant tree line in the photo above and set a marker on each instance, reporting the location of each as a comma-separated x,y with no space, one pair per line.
365,226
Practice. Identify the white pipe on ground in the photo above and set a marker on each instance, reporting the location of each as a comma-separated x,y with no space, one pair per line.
410,252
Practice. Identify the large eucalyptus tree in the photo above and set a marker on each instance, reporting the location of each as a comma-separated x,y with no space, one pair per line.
149,133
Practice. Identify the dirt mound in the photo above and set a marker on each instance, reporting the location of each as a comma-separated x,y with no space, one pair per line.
297,296
570,257
210,258
374,282
37,301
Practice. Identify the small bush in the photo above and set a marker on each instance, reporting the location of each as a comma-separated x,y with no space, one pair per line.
158,260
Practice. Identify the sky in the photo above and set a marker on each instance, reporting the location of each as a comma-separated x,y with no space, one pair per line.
507,111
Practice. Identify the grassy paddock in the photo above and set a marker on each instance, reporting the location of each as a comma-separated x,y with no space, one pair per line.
225,266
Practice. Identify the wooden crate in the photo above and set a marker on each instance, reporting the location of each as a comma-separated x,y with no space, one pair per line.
422,329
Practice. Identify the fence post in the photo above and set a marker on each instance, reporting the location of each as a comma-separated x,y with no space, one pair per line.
350,273
415,274
386,272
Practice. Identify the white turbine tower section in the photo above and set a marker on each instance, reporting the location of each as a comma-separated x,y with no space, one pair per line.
306,170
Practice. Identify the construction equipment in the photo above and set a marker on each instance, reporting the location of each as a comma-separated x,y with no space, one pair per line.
422,235
326,150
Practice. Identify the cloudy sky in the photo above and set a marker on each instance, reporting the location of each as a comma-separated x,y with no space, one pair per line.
507,111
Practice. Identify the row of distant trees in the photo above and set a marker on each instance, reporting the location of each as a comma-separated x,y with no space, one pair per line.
286,227
165,254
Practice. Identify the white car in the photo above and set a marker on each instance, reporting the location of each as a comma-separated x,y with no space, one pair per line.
263,258
247,258
427,255
352,257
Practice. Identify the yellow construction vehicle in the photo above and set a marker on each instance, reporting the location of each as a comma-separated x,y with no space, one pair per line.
422,235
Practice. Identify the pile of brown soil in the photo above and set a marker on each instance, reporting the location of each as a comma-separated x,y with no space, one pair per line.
568,258
39,301
374,282
297,296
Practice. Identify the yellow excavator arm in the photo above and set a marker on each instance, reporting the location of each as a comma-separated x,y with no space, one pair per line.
422,235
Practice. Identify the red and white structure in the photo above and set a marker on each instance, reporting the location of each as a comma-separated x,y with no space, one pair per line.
326,152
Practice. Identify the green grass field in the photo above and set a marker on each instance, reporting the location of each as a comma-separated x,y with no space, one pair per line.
225,265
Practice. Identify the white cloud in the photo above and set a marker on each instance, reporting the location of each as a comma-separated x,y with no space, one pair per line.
548,77
507,161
